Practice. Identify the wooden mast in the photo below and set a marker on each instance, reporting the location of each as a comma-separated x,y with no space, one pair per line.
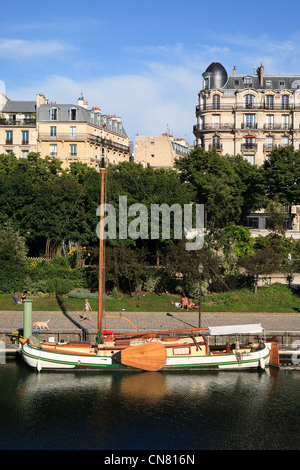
101,251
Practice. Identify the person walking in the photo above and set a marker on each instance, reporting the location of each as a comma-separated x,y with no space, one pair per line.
86,310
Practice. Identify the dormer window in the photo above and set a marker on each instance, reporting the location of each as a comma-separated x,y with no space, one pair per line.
53,114
73,114
248,81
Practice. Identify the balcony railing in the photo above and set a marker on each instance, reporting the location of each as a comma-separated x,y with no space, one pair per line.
249,125
208,127
218,147
242,106
249,146
23,122
84,137
269,147
277,126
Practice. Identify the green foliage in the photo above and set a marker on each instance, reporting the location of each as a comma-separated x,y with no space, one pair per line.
282,175
237,238
227,186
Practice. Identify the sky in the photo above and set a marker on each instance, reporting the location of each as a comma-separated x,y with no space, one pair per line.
139,60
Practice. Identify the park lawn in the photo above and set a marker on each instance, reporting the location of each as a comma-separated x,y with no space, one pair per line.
276,298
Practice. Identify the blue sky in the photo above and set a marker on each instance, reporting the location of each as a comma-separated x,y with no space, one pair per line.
142,61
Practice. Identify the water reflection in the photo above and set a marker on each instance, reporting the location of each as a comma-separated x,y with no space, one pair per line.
148,410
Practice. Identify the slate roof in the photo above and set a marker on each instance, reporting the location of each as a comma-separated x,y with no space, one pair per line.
83,115
24,107
220,79
278,82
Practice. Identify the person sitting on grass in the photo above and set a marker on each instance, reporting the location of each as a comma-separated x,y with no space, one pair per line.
184,302
190,304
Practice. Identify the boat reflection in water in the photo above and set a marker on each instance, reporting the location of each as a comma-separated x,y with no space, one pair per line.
153,410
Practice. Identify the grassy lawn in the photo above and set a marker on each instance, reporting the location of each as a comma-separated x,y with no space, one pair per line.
268,299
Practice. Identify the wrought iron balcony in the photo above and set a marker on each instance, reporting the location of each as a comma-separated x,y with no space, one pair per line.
277,126
245,106
218,147
249,146
22,122
249,125
209,127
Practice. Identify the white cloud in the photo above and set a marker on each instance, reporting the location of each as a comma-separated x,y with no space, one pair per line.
162,98
22,48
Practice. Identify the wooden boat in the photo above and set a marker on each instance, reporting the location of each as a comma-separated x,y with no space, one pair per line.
183,349
151,351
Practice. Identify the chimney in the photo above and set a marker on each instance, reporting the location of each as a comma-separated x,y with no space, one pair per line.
260,73
234,71
41,99
81,102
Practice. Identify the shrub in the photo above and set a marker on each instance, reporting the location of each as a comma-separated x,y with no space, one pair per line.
60,285
82,294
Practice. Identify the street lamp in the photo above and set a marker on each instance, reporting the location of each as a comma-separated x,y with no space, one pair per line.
230,245
200,269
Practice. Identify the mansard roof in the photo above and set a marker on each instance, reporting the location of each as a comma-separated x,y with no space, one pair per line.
24,107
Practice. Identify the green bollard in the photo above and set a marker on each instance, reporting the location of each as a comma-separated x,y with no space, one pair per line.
27,318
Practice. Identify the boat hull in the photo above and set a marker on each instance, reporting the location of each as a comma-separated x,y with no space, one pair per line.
105,360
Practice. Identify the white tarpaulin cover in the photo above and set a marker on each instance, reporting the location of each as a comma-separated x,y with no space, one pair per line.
236,329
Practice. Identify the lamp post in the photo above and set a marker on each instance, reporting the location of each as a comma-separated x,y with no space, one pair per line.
200,269
230,245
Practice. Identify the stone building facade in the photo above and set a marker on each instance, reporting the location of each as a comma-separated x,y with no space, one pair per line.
159,151
249,115
69,132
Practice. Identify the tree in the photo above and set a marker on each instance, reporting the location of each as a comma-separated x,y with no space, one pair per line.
12,257
282,176
223,184
237,243
262,262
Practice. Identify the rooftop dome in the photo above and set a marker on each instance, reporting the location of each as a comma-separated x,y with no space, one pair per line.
217,74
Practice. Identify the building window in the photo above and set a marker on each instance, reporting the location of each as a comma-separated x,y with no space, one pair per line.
249,143
53,131
216,119
269,102
249,121
9,137
216,142
24,153
249,101
216,102
269,83
73,150
250,159
285,103
73,114
25,137
270,121
53,114
269,143
252,222
73,132
285,141
285,121
53,150
247,80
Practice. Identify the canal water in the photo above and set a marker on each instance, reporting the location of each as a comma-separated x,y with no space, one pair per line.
148,410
